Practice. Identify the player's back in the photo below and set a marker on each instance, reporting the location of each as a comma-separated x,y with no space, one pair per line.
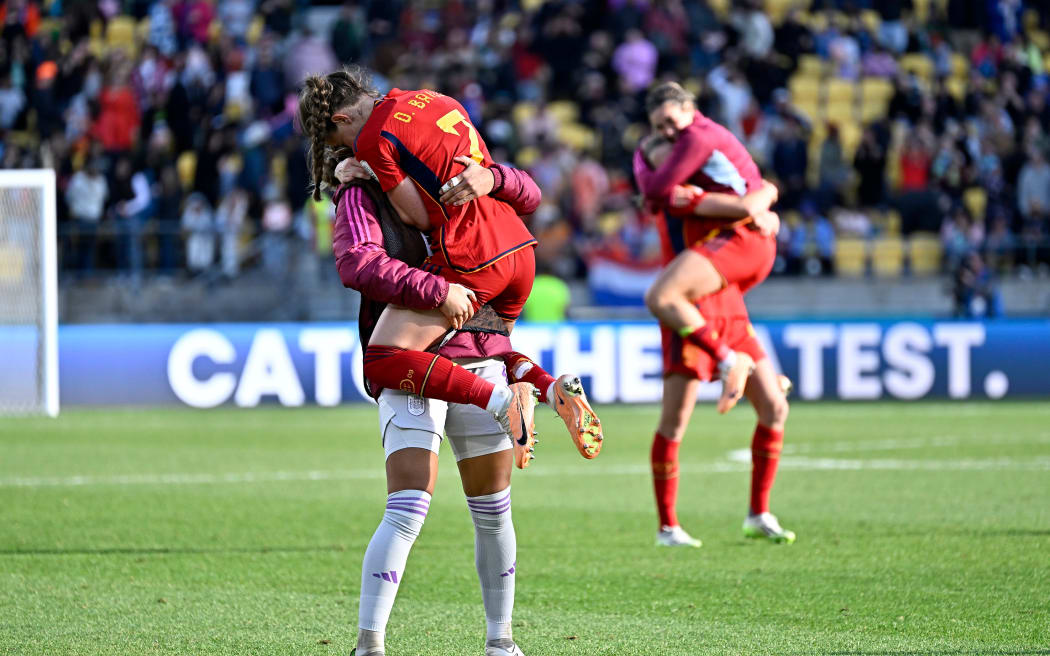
728,167
418,134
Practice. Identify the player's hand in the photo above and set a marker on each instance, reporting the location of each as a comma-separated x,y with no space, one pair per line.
350,169
685,198
472,183
768,223
458,307
762,199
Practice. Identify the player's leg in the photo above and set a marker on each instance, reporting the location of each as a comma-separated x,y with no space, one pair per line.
484,455
679,399
672,299
565,394
411,435
765,391
396,359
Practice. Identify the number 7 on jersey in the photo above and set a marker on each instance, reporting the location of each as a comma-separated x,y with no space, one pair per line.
448,123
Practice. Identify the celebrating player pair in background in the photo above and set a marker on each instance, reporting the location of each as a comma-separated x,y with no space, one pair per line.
719,243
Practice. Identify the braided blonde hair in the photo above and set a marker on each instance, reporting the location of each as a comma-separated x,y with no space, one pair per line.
321,97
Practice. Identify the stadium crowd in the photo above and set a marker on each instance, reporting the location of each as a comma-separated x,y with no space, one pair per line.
903,133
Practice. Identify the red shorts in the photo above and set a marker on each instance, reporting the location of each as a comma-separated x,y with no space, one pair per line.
744,257
727,314
505,284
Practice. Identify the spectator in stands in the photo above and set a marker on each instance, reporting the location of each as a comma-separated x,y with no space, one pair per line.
1033,191
635,62
790,156
168,199
870,164
976,291
198,224
834,172
12,102
86,196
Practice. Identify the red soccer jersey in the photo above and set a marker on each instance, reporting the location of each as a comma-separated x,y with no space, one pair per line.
707,155
416,134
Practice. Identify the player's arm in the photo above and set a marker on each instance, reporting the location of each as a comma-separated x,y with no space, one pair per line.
687,157
380,159
504,183
364,265
691,200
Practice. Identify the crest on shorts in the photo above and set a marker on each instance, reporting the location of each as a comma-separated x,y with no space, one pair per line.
417,405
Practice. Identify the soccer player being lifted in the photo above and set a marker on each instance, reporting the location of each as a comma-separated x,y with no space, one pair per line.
409,142
719,241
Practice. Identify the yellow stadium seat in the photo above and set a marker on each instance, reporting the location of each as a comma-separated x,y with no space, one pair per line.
142,30
851,256
920,65
120,33
873,111
522,112
960,66
871,19
976,200
811,65
1040,38
186,166
893,222
922,10
956,87
720,7
839,113
887,257
803,87
924,254
778,9
564,111
840,91
576,136
255,30
849,136
875,89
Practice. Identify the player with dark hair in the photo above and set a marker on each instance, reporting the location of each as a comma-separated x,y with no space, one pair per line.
686,364
379,255
410,141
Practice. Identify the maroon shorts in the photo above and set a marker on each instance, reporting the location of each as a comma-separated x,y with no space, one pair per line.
505,284
726,313
742,256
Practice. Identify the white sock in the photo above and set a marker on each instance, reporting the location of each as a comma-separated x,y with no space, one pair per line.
384,563
495,554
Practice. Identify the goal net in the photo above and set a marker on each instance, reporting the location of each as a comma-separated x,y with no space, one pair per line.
28,293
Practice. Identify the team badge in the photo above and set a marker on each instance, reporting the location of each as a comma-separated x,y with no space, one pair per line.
417,405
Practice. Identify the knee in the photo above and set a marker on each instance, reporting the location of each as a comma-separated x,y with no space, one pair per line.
774,412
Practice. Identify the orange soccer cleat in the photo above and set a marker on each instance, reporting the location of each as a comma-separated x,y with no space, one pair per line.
734,378
570,403
521,414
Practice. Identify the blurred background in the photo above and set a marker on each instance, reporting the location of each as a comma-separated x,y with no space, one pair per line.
909,139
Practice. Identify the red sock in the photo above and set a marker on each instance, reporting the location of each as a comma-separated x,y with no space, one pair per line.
426,374
708,339
664,458
532,373
765,455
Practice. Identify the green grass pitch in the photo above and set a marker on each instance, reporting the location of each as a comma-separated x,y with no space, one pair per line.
923,529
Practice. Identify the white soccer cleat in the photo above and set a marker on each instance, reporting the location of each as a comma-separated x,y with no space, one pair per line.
503,648
765,525
675,536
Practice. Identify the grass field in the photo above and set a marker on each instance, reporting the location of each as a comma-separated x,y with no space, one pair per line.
923,529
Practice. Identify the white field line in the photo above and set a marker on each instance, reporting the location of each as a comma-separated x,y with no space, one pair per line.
730,466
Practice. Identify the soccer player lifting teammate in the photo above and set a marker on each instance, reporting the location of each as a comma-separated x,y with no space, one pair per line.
724,248
410,141
379,256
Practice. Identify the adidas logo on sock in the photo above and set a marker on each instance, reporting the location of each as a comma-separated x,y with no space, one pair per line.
391,576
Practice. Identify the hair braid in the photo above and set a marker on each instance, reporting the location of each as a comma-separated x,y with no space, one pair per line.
320,98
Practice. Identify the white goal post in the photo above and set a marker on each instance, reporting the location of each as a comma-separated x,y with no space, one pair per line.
28,293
